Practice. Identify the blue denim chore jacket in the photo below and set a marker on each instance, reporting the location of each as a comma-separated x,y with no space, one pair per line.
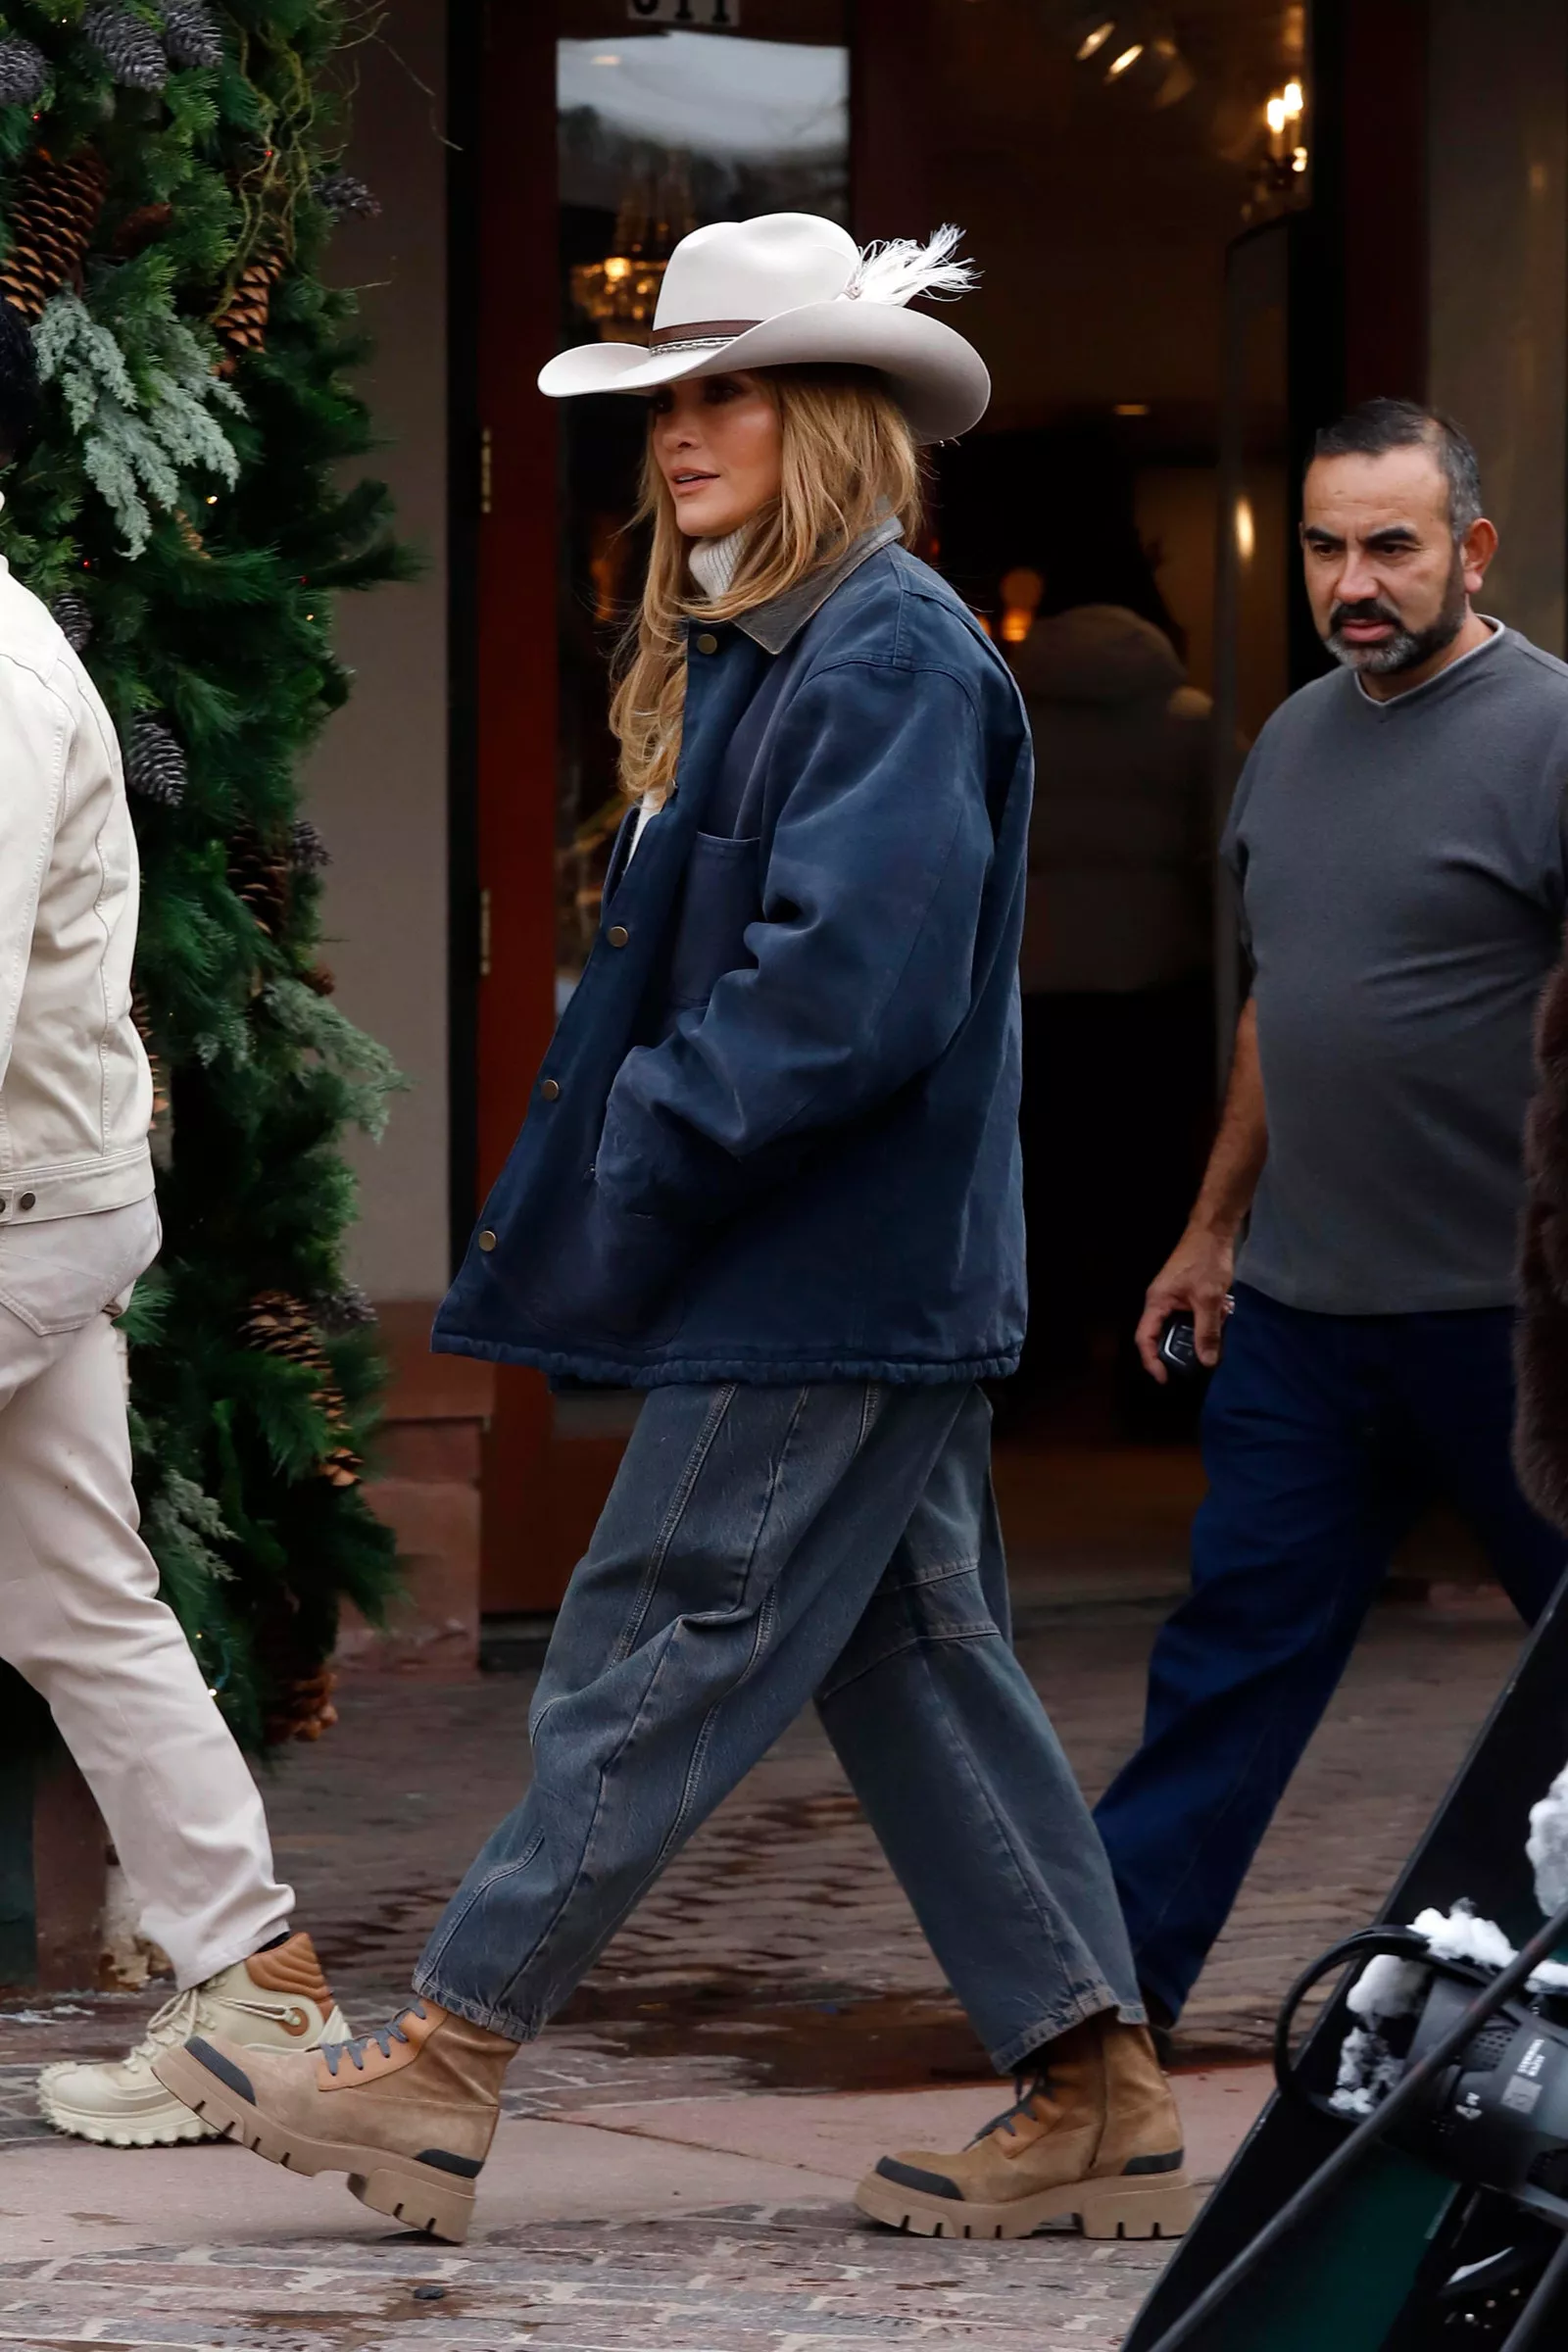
775,1135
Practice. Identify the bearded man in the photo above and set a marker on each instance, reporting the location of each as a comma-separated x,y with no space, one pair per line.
1397,842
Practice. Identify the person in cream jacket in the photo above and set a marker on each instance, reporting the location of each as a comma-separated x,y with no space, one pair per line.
81,1618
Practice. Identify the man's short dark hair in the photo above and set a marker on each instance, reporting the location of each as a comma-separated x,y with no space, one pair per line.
18,384
1378,425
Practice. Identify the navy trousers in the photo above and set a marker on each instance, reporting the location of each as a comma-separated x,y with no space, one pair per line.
1324,1436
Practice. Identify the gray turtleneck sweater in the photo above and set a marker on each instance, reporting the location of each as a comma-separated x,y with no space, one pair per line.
712,563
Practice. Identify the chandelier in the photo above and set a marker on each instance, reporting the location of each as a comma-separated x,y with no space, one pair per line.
620,293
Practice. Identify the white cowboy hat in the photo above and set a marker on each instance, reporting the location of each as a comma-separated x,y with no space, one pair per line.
789,288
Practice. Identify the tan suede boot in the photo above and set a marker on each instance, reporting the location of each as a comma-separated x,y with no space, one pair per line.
407,2112
1093,2139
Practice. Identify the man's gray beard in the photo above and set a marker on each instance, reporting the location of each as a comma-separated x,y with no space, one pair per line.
1404,650
1407,649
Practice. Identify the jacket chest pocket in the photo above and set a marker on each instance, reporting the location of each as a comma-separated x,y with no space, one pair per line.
721,895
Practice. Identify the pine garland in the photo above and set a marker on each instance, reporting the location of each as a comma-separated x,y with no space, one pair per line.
166,196
140,439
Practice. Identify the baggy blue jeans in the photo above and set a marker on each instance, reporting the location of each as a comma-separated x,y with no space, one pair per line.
1324,1437
762,1546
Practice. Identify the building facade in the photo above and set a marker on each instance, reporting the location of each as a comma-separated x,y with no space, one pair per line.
1201,232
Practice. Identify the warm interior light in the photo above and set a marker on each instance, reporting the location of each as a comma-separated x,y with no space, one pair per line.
1094,41
1130,408
616,266
1128,57
1298,160
1275,112
1293,100
1246,530
1021,592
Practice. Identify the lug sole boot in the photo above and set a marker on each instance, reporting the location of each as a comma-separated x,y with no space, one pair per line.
407,2112
276,2000
1095,2139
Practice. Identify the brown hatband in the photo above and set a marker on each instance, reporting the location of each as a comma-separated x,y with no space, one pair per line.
700,330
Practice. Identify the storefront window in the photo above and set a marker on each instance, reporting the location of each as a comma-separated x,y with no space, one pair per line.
660,132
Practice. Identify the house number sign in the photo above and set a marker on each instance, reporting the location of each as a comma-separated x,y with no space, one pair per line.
714,15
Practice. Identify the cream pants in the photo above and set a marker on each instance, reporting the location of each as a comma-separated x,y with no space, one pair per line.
79,1612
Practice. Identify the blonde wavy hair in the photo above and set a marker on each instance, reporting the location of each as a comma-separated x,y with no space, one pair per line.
849,458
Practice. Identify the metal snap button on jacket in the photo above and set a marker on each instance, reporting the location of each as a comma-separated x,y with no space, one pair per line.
487,1240
708,643
617,935
550,1091
27,1201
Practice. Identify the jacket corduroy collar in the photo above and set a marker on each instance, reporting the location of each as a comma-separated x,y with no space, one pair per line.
776,625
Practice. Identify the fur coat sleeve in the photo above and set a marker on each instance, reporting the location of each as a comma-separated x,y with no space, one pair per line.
1540,1430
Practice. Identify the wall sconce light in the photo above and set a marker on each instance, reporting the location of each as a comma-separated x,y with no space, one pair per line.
1245,529
1282,112
1133,43
1282,167
1088,31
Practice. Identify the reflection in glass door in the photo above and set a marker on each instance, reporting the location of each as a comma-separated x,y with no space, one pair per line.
1251,647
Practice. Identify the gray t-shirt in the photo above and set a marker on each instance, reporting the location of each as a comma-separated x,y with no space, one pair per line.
1402,877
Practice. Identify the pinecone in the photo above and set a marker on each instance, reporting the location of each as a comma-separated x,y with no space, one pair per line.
71,612
303,1708
154,764
322,979
141,228
307,852
24,72
260,877
346,197
347,1309
283,1326
190,537
128,45
241,324
53,216
190,35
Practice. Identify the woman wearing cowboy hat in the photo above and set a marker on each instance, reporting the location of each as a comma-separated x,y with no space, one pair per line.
770,1175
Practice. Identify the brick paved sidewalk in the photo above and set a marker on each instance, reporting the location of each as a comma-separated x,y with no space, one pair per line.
741,2279
776,1954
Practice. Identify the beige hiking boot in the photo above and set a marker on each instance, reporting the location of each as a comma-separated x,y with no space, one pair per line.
276,2000
1095,2139
407,2112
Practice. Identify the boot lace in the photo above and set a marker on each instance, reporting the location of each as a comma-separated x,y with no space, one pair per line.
383,2036
174,2023
1026,2089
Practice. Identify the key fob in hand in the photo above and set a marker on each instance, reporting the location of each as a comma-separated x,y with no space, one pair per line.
1178,1347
